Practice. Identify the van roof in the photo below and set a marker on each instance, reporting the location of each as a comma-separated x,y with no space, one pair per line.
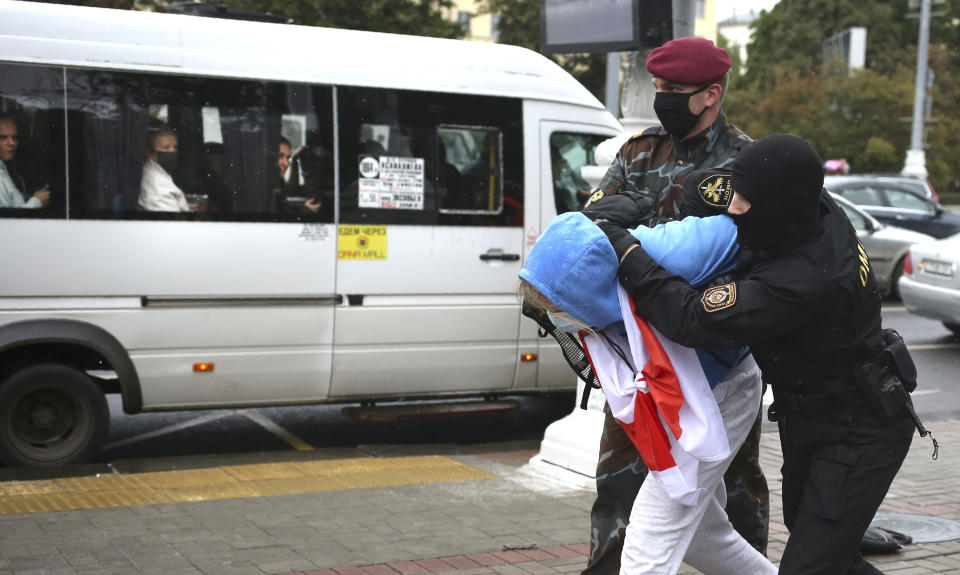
195,45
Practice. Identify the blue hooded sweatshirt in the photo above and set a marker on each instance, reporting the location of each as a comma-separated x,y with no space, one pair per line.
574,266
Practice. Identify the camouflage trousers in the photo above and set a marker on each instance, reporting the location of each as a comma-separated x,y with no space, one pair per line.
620,472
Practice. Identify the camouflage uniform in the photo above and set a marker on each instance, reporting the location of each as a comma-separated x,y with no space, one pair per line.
656,164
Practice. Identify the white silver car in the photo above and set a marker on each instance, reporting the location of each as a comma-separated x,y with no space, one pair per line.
886,246
930,285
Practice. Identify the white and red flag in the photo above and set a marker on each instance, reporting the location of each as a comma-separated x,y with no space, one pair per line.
658,392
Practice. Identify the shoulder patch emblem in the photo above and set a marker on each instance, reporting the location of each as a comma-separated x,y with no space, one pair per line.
651,131
720,297
595,197
716,190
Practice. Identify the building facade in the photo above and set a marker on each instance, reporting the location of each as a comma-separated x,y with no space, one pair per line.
478,27
736,30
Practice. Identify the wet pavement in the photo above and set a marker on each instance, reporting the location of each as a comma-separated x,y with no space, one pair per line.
468,512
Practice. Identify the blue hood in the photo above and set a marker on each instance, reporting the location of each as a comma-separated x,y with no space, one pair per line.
575,267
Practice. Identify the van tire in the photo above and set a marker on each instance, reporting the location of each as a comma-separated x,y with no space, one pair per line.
51,414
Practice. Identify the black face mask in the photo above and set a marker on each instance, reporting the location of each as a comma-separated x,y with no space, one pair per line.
168,161
760,229
673,110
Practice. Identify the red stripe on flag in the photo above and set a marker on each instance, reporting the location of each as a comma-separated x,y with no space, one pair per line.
661,378
648,435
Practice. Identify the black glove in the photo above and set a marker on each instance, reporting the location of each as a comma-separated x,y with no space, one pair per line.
625,208
620,239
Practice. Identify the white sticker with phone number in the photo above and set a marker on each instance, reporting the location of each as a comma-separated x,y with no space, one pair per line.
399,185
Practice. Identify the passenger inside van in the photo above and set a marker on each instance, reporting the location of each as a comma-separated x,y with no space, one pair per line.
158,191
13,187
448,180
570,190
288,192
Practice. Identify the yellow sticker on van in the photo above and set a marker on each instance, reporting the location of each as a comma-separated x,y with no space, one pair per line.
362,243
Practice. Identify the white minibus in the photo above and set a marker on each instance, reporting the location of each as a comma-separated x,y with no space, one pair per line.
205,213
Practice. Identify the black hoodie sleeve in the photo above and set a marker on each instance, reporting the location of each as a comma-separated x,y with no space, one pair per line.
736,313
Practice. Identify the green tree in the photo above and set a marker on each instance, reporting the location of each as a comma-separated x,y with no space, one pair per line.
790,36
520,26
880,156
416,17
865,117
735,63
943,135
119,4
838,115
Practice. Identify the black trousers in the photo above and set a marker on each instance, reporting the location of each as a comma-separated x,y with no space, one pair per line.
837,468
620,473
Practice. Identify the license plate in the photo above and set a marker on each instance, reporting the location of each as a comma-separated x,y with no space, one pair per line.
937,268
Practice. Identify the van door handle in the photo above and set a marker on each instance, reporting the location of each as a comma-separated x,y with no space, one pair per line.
500,256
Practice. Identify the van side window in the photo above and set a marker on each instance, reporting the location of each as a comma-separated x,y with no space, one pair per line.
32,151
568,153
471,173
420,158
173,147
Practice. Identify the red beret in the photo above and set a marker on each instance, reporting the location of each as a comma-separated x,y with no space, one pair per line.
688,60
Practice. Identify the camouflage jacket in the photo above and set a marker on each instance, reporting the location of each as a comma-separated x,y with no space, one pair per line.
656,163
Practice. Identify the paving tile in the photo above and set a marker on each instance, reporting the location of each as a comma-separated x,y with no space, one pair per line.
407,568
486,559
435,565
454,527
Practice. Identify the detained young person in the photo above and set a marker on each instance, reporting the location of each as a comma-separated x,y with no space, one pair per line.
686,410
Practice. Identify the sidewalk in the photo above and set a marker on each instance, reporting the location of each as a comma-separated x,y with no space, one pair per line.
502,521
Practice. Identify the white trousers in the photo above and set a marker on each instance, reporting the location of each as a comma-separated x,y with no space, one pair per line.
664,533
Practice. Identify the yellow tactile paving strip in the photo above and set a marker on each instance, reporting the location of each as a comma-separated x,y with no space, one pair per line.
232,482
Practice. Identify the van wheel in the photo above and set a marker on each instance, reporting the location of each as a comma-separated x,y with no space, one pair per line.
51,414
954,327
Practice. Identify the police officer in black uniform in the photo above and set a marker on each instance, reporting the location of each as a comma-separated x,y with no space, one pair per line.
805,299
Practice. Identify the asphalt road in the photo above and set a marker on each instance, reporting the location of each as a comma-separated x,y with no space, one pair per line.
187,438
263,432
256,431
936,351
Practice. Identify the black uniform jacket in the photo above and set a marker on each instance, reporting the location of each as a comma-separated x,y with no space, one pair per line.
810,311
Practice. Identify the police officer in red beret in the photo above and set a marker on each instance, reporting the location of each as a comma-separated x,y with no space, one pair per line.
690,75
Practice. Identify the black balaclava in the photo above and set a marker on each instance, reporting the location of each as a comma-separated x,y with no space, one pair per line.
706,193
781,176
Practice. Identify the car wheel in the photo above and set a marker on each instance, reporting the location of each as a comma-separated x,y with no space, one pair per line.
51,414
954,327
895,279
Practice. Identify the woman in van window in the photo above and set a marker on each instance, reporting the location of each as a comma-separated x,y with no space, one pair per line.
158,192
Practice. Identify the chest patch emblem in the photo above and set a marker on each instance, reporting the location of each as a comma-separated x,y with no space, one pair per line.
716,190
720,297
595,197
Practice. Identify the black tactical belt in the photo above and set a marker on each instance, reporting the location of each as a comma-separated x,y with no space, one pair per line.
812,403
